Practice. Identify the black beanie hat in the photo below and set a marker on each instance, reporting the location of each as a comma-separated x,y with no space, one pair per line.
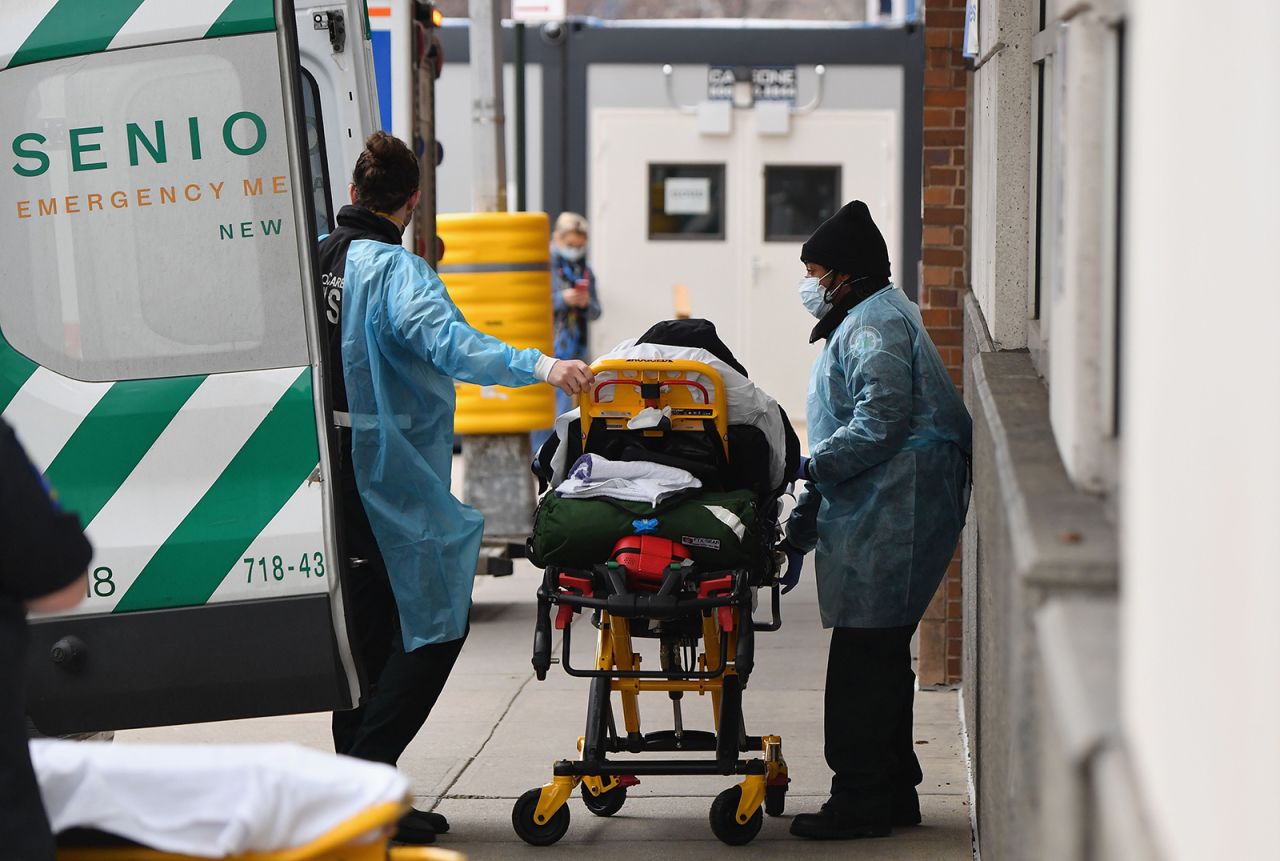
849,242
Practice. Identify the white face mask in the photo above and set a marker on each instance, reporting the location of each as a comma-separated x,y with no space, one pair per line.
814,296
572,254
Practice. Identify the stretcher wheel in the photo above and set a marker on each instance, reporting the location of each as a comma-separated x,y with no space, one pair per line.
606,803
724,819
531,832
775,800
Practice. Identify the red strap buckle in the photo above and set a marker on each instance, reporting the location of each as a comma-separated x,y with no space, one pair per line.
708,588
571,585
713,588
581,585
726,618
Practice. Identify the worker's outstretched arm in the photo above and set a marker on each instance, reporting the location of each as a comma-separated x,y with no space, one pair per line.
421,316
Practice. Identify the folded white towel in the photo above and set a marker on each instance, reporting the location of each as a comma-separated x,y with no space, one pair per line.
208,801
636,481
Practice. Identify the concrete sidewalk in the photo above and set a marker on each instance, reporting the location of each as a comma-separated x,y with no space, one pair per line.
497,730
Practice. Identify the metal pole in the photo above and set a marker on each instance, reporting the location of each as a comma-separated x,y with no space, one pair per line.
489,156
521,196
496,477
424,129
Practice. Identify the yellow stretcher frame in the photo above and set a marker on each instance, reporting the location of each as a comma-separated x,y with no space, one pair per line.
676,391
341,843
632,379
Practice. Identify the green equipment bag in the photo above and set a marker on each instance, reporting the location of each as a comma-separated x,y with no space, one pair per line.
720,530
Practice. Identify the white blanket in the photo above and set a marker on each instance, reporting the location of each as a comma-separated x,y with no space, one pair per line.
209,801
748,405
638,481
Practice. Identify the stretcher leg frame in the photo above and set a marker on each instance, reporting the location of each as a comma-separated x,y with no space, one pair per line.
554,795
703,631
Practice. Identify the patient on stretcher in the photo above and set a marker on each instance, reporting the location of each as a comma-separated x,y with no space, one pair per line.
763,450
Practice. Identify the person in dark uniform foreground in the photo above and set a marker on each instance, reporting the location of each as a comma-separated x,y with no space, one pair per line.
43,561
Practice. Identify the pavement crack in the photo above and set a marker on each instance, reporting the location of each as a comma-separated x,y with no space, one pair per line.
480,750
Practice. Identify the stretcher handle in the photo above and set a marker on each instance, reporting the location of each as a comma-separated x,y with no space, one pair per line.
639,383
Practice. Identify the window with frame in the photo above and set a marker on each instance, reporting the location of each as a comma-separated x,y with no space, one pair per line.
316,153
797,199
155,233
686,201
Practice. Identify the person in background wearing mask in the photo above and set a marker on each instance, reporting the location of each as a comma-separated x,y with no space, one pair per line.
410,546
885,500
574,301
43,559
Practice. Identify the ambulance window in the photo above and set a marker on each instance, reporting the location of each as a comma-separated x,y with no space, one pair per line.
316,153
150,227
797,199
686,201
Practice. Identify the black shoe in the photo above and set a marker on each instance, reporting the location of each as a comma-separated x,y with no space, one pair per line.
435,821
414,830
827,825
906,808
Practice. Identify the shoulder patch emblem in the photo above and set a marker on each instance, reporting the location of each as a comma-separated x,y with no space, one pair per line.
867,339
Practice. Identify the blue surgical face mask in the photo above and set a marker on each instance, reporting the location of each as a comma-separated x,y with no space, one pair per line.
572,254
814,296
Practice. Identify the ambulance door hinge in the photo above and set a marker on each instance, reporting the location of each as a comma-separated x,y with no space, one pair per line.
334,22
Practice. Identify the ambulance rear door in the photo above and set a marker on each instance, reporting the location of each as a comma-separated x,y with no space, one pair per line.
160,358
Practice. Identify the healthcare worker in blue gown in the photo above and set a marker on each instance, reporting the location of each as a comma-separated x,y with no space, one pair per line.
887,488
411,547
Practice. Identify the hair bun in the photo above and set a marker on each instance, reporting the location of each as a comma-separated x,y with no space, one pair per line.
386,174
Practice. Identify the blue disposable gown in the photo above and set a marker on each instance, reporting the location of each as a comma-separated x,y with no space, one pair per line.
890,441
403,344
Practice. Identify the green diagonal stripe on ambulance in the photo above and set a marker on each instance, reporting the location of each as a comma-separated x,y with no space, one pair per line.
244,16
113,439
75,27
15,369
212,538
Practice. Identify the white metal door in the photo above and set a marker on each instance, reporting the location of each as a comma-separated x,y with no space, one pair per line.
776,327
744,282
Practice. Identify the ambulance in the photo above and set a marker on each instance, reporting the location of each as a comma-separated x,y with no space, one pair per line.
169,165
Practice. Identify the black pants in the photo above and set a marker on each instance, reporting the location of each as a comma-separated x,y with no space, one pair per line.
869,697
404,686
24,827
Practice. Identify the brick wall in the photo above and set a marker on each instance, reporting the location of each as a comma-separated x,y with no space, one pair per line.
943,281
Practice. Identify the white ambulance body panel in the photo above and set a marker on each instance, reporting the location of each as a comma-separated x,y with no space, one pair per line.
160,345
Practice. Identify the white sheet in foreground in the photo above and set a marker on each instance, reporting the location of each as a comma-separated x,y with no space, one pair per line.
207,800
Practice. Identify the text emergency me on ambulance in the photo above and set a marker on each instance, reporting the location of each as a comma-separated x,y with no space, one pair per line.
411,547
885,500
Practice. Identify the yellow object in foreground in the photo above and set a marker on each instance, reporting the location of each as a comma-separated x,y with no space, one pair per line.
361,838
497,270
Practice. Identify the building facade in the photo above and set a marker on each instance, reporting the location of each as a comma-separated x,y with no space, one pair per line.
1119,569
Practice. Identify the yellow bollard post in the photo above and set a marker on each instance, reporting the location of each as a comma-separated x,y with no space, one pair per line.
497,270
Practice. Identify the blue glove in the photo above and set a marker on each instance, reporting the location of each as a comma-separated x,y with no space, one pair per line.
795,561
802,474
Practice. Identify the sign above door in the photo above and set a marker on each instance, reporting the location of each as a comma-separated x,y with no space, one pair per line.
768,83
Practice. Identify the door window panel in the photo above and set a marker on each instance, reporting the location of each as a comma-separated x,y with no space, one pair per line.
797,199
686,201
316,153
148,219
